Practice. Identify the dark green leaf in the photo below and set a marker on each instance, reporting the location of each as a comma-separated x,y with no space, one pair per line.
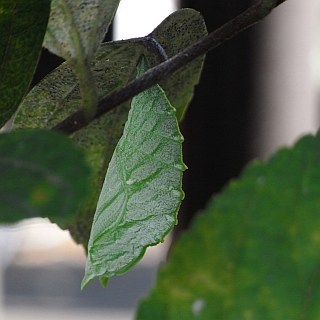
142,190
43,174
255,251
22,28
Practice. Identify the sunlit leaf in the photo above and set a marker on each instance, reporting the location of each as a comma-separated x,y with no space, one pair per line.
254,253
76,27
42,174
22,28
142,190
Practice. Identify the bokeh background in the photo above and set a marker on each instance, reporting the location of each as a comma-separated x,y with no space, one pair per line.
258,92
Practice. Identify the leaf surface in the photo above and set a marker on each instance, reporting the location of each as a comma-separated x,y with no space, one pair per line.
43,174
255,251
142,190
23,25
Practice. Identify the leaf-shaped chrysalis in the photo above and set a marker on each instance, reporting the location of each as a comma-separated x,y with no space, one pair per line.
142,190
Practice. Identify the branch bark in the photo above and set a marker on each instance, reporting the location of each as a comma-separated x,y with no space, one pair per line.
251,16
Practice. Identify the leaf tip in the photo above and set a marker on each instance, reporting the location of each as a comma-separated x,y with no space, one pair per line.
86,280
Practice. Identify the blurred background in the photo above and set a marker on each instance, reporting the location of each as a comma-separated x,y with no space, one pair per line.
258,92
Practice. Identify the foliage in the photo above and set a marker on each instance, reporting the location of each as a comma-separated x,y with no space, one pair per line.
252,254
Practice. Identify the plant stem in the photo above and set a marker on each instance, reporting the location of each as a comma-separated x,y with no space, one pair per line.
246,19
88,91
82,69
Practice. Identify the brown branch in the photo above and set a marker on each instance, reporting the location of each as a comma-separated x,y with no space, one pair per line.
253,15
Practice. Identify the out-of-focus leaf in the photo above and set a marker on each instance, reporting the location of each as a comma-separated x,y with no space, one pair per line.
22,28
177,32
142,190
76,28
254,253
42,174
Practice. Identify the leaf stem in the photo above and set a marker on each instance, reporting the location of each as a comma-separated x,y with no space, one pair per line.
81,67
251,16
88,91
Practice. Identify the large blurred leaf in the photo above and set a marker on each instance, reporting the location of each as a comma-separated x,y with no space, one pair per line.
76,27
43,174
22,28
142,190
255,251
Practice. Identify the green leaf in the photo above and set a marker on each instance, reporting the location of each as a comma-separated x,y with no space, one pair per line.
43,174
76,28
142,190
23,25
255,251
